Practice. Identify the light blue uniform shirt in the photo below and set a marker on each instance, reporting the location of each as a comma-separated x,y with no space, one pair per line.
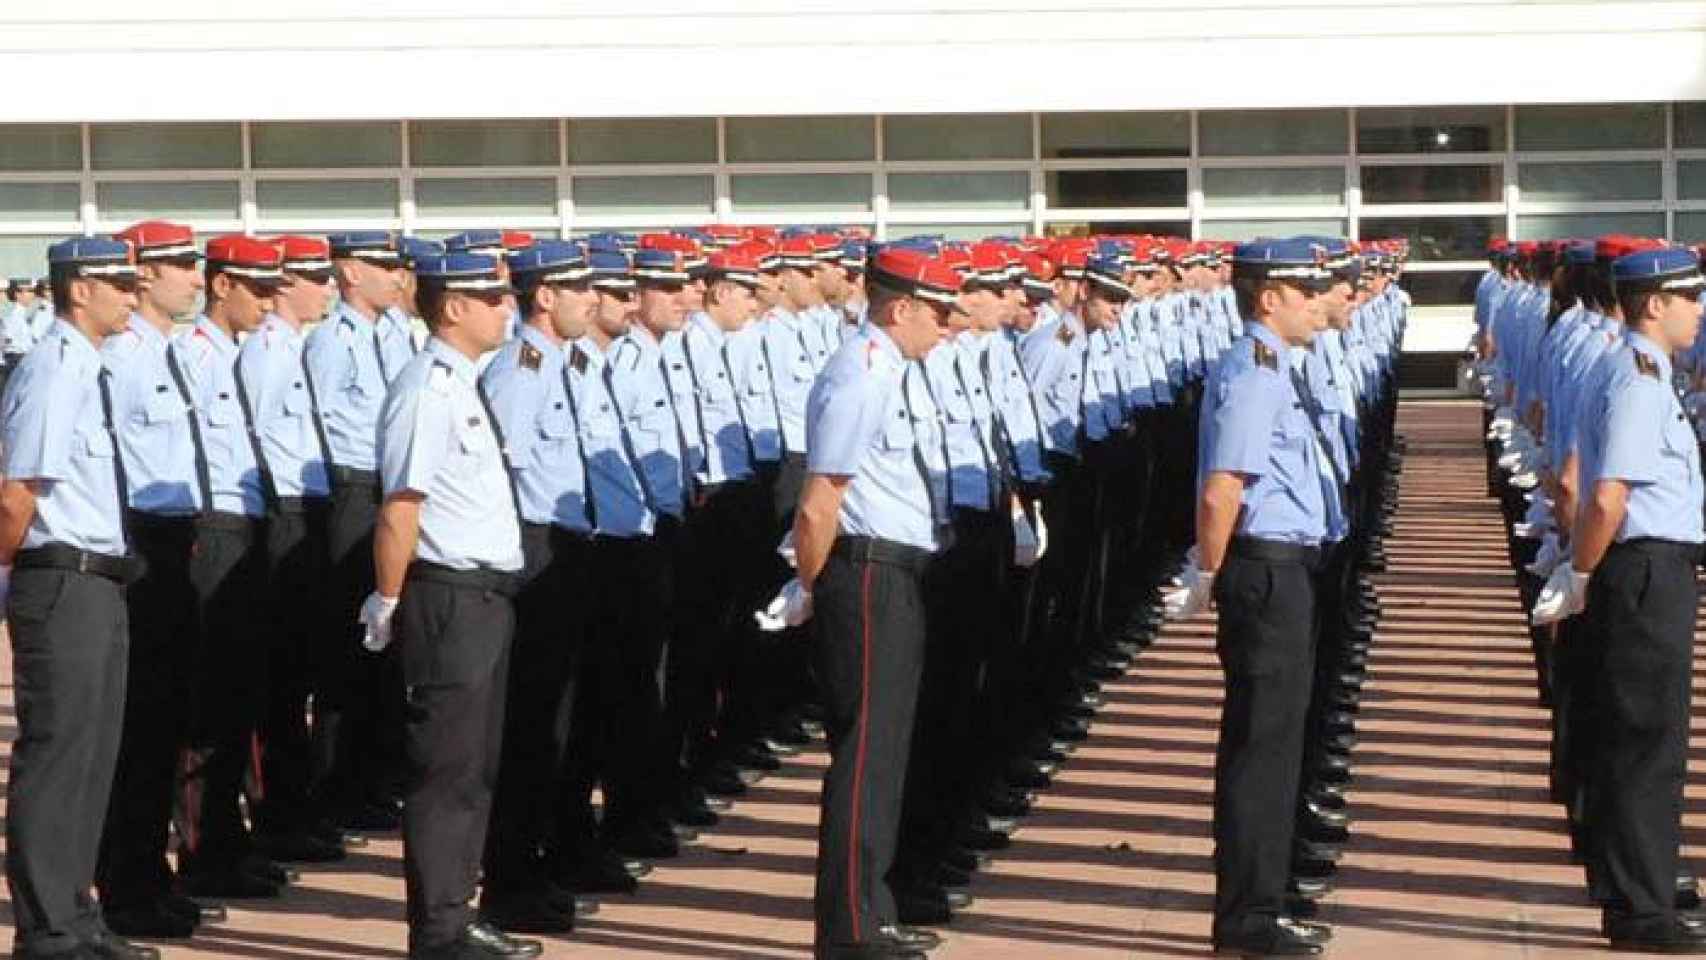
269,364
634,373
15,333
620,498
746,355
1053,353
54,430
791,344
1335,467
40,320
208,358
673,364
1253,424
528,392
394,342
436,439
1017,420
152,415
869,420
724,439
1639,434
968,427
342,359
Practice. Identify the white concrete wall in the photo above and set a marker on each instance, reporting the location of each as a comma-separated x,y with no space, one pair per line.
318,59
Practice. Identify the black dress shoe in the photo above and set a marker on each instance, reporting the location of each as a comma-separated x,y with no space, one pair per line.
1317,832
1687,892
1339,743
526,913
722,780
1281,939
646,843
791,733
1028,775
1299,908
694,812
199,912
299,846
1071,731
232,884
1320,815
153,920
373,818
753,756
982,838
929,905
480,941
910,938
992,822
1675,936
1306,849
1005,803
961,858
111,946
1307,888
258,866
948,875
604,872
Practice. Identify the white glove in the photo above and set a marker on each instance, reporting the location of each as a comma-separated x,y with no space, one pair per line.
1192,596
1565,595
1525,481
785,550
792,607
1024,542
5,588
1548,557
1042,530
376,614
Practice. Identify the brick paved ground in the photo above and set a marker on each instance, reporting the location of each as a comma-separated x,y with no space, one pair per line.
1457,853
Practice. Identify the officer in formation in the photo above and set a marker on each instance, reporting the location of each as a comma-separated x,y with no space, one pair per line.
665,421
1588,350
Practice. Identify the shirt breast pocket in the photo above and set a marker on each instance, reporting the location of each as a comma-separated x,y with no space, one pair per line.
556,425
802,369
163,406
97,444
296,402
476,439
224,411
956,407
898,434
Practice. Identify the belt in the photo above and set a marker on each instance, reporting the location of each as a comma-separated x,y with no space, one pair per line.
233,522
1658,547
1274,551
483,579
873,550
554,531
58,556
299,505
351,477
143,520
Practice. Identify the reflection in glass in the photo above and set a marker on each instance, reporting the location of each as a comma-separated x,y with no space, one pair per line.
1589,182
299,145
1433,184
652,195
1068,136
1251,229
1277,187
684,140
1562,226
1611,126
1068,189
483,143
1085,228
1431,130
995,136
1450,288
1436,238
41,146
959,191
800,191
1269,133
782,139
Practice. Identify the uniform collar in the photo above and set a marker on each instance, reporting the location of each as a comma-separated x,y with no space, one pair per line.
76,340
1641,344
147,331
885,343
451,357
532,335
394,319
220,339
1264,333
707,326
352,316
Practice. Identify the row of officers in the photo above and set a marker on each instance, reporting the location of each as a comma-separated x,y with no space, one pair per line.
598,505
1589,355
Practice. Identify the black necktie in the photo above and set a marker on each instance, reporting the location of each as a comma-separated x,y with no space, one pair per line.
102,380
202,478
580,444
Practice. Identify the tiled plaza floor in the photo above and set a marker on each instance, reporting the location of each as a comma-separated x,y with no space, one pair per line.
1457,853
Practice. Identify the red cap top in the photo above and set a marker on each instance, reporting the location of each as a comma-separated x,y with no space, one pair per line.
737,264
919,274
299,254
160,240
245,256
517,240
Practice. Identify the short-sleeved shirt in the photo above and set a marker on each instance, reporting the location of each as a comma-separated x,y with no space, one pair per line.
527,388
436,439
867,419
726,445
53,430
1638,433
1253,424
342,359
748,361
1054,353
269,368
152,413
968,428
635,375
621,500
208,357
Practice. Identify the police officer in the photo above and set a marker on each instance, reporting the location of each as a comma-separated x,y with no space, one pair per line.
279,408
1260,523
446,554
61,510
1636,541
869,518
347,371
527,388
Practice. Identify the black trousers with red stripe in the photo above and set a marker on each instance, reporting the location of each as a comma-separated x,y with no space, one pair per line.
868,627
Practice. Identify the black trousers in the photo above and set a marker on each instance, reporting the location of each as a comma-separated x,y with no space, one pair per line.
1265,643
133,867
296,602
1643,600
868,634
550,638
454,641
70,638
228,572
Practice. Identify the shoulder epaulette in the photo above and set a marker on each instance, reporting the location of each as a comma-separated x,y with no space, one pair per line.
1265,355
1645,365
578,360
531,356
1064,333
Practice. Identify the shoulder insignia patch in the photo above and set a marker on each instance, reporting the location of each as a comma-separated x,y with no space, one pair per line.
531,356
1645,365
1265,355
1063,333
577,359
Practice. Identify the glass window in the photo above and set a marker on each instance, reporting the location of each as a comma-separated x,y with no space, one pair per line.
1691,227
691,140
782,139
1434,184
327,199
1266,133
1589,182
1450,288
1068,189
1251,229
298,145
1273,187
41,146
25,256
958,231
1563,226
1691,125
960,191
186,200
1079,135
1611,126
1691,179
44,202
994,136
1431,130
1085,228
1437,238
483,143
801,191
631,195
486,197
166,146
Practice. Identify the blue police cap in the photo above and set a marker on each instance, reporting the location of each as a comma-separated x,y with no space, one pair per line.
1108,273
853,255
549,261
376,246
608,270
1664,270
466,272
1118,251
413,249
659,266
1579,253
489,242
1291,259
104,257
611,240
